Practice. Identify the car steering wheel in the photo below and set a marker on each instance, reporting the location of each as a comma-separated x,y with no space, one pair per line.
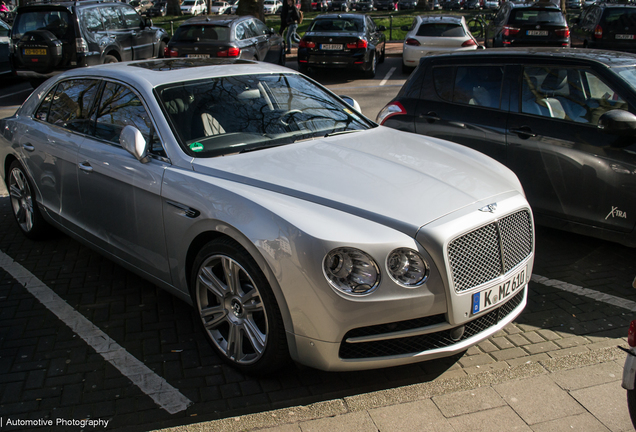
291,112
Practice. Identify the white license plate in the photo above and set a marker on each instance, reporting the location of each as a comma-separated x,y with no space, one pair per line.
331,47
537,32
491,297
624,36
198,55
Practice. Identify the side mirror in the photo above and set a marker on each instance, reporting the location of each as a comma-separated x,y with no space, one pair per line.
351,102
618,122
134,143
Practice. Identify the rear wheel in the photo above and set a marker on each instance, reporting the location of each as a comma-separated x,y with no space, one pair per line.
372,67
110,59
237,308
25,209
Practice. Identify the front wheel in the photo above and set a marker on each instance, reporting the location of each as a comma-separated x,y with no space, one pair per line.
237,308
25,208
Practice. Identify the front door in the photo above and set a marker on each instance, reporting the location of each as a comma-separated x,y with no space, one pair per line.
569,168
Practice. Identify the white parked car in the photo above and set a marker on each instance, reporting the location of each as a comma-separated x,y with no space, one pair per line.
296,227
193,7
271,7
492,4
429,33
219,7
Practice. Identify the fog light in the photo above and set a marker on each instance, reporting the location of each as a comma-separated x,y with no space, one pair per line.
407,267
351,271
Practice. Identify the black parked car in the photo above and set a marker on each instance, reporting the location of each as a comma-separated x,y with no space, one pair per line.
389,5
407,4
227,36
342,5
606,26
519,24
562,119
48,37
159,8
363,5
350,41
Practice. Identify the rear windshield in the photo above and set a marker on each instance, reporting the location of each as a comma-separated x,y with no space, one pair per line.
620,17
201,33
534,16
440,29
337,25
56,21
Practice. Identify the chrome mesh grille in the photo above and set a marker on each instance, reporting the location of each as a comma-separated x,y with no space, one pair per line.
490,251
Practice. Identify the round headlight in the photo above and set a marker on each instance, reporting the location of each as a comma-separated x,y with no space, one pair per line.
351,271
407,267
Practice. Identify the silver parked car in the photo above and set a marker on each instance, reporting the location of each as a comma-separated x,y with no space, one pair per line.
295,226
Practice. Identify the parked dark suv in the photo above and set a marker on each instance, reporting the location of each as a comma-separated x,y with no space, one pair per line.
606,26
562,119
49,37
520,24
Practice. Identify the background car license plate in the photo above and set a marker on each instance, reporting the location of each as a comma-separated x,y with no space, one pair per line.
197,55
491,297
537,32
34,51
624,36
331,46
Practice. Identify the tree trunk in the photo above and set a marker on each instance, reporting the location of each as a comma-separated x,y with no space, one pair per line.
174,8
251,7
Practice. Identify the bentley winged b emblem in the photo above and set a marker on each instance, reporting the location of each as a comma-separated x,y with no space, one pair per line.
489,208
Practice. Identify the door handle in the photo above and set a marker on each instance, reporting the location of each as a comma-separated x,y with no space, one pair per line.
430,117
524,132
28,147
85,166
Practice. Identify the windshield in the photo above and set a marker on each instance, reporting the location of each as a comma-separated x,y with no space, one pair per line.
234,114
55,21
337,25
534,16
628,73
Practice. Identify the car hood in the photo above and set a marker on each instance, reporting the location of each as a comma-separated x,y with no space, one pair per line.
395,178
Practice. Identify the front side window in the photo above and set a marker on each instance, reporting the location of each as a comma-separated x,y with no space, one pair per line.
131,17
227,115
571,94
71,104
119,107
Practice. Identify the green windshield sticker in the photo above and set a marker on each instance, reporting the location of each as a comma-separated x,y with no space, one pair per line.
196,147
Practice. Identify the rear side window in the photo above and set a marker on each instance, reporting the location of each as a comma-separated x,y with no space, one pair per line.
56,21
619,18
440,29
201,33
71,104
470,85
533,16
112,18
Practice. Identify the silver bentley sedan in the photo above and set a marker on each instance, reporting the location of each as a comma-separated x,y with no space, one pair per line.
297,228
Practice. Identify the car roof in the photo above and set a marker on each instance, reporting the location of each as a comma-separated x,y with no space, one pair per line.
340,15
607,58
66,4
155,72
441,18
536,5
217,20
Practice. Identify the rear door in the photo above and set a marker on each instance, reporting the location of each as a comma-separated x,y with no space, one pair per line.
466,104
570,169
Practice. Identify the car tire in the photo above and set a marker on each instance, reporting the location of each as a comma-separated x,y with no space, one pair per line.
382,54
407,69
631,405
23,204
161,53
372,67
110,59
237,308
38,39
283,59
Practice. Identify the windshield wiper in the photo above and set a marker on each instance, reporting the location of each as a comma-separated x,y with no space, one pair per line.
341,132
262,147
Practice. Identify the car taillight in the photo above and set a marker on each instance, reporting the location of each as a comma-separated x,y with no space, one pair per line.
631,334
306,44
230,52
81,46
171,52
598,32
469,42
562,32
392,109
360,43
412,42
510,31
